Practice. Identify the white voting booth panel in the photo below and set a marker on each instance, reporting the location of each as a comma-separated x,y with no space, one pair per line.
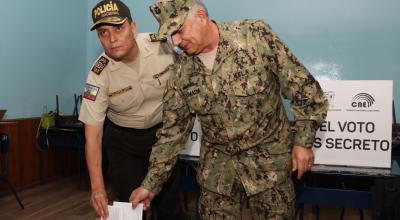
358,128
193,145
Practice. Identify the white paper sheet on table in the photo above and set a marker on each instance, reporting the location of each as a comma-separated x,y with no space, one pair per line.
124,211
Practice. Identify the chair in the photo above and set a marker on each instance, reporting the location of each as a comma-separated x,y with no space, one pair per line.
67,137
4,142
317,196
345,190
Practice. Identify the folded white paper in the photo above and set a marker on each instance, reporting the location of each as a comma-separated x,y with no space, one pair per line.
124,211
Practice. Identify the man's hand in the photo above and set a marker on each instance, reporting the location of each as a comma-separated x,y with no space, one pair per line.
99,202
141,195
303,160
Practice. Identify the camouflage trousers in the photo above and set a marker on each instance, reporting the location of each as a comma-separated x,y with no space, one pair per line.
273,204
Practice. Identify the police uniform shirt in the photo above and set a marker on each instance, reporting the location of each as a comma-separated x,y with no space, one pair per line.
129,98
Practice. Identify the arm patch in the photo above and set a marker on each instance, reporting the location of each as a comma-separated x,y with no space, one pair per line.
90,92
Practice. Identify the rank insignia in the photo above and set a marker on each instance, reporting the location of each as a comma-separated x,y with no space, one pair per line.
153,37
99,66
90,92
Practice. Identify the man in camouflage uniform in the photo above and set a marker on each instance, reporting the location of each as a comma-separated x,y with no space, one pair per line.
232,76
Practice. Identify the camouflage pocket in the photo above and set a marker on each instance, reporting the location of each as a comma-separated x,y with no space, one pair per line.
254,92
274,203
283,162
279,164
248,85
263,171
200,100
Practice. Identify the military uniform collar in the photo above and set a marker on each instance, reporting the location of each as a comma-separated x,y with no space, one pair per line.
226,47
226,43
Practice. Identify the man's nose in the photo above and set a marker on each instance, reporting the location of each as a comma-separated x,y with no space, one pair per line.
176,39
112,38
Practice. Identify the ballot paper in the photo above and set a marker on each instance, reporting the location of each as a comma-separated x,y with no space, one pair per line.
124,211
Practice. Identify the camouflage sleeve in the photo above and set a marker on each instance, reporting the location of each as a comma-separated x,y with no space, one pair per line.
308,104
177,125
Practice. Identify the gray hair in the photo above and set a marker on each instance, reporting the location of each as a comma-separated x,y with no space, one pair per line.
197,6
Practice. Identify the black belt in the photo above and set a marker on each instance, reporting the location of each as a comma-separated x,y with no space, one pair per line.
135,130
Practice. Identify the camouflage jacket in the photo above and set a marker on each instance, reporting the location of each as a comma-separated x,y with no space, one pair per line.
246,133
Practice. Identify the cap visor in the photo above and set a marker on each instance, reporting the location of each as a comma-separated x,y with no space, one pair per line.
112,21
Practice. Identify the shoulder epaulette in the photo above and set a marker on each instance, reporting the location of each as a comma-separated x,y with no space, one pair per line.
154,38
100,64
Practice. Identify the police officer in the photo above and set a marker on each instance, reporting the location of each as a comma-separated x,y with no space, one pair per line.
125,85
232,76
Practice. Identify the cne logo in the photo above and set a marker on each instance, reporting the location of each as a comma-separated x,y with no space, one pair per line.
109,7
362,100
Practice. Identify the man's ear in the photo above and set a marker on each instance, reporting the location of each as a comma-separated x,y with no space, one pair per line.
133,26
202,14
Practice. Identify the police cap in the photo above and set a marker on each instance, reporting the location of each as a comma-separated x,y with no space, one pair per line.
112,12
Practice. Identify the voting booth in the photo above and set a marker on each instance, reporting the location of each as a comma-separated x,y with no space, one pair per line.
351,147
193,144
358,128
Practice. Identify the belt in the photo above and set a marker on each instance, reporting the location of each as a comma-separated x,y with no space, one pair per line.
134,130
